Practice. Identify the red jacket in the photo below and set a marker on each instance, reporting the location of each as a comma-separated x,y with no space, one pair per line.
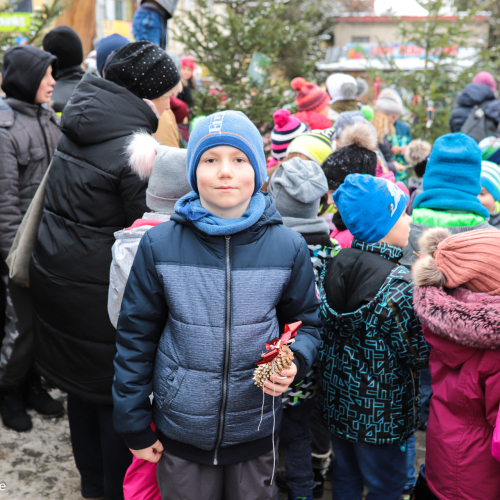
463,330
314,120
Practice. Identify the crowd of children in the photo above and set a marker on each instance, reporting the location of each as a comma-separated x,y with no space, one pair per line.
380,252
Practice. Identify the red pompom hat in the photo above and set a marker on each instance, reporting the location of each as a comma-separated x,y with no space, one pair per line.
309,96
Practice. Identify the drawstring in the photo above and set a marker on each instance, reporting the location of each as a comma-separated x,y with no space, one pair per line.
274,420
274,424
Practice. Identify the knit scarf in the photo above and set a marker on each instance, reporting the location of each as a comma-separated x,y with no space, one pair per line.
190,206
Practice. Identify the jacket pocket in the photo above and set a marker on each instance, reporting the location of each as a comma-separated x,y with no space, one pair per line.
29,158
173,385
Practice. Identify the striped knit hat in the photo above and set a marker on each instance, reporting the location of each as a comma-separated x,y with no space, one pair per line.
490,149
316,146
490,178
309,96
286,128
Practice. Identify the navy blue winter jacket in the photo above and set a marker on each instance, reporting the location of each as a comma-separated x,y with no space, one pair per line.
473,95
196,314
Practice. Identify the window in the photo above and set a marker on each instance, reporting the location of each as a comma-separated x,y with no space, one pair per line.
119,10
360,39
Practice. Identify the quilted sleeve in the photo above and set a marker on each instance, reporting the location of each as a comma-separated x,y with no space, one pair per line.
143,315
10,208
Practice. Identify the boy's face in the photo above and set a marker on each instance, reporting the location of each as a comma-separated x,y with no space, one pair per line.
44,93
487,200
399,234
226,181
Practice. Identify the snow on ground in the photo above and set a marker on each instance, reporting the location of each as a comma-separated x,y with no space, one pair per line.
39,464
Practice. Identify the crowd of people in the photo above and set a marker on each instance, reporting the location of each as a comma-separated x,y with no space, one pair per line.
150,262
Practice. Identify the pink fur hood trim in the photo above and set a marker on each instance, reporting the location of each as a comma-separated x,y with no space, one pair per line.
464,317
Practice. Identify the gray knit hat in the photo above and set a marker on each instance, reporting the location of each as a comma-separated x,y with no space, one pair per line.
164,166
297,186
389,102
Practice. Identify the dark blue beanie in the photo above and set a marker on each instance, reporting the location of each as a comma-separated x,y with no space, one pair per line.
227,128
452,179
106,46
369,206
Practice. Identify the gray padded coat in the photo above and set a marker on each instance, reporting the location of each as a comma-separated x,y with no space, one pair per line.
26,150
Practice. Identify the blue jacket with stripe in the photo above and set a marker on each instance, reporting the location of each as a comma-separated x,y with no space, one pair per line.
196,314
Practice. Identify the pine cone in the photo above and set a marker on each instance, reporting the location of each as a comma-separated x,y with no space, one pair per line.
281,362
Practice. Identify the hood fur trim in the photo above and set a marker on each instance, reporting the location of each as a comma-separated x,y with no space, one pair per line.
467,318
141,152
417,151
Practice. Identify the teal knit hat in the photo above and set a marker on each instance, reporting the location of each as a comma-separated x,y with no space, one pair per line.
452,176
490,178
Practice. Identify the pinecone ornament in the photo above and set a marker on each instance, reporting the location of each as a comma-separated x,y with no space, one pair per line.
281,362
279,354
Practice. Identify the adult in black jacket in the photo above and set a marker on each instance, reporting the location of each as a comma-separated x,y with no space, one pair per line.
65,44
91,193
481,89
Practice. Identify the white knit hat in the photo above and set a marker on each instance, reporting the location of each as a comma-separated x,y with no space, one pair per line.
341,87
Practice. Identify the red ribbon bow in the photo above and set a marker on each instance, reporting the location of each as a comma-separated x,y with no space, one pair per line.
275,345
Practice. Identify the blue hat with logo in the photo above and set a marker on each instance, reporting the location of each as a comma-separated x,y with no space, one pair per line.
227,128
369,206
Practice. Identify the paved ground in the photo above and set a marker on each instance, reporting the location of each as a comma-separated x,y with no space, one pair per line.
39,464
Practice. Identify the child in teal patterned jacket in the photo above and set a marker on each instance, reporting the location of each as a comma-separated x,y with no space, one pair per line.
372,346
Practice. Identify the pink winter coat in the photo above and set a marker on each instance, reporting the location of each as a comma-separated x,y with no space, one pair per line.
463,330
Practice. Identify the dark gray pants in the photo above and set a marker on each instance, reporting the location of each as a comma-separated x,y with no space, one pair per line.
180,479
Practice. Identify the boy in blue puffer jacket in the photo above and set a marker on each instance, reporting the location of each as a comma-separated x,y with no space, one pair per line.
373,345
206,291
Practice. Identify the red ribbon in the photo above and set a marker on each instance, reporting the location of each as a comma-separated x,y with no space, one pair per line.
275,345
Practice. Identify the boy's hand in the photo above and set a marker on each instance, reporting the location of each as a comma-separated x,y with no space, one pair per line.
151,454
281,383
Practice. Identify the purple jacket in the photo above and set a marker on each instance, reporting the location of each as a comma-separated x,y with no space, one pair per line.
463,330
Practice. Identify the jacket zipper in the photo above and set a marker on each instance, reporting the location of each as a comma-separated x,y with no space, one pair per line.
227,341
47,150
413,353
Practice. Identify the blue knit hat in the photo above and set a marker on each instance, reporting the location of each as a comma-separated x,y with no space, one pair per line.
369,206
227,128
452,176
107,45
490,178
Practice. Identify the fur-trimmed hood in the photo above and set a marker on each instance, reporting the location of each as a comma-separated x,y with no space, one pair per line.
464,317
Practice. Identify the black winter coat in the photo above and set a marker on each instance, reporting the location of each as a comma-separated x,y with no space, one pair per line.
91,193
67,80
473,95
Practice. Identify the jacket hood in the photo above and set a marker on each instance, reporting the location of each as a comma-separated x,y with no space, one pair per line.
461,316
270,217
475,93
22,84
100,110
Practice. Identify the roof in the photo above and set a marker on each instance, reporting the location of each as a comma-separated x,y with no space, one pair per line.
465,59
406,8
